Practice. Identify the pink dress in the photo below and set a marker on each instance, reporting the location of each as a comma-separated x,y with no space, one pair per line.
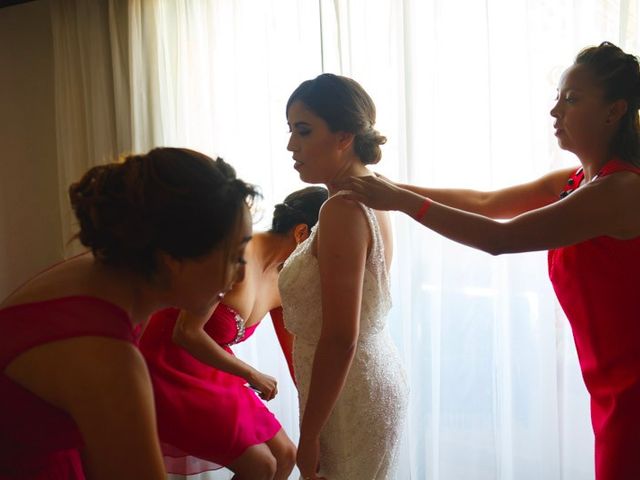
597,284
39,441
206,417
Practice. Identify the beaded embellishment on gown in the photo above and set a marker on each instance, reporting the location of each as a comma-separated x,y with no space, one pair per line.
360,438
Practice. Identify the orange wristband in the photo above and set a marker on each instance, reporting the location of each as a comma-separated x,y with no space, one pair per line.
423,209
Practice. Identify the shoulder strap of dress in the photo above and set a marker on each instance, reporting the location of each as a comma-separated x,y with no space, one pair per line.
376,259
617,165
573,182
31,324
307,245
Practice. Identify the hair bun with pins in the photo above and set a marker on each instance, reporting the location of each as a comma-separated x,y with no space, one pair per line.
174,200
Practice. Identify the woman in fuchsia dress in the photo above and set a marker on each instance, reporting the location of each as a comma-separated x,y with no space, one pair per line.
76,396
208,416
589,221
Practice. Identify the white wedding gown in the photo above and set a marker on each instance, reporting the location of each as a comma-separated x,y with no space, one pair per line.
360,438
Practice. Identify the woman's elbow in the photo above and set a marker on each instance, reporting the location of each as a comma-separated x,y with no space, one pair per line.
498,248
504,245
494,250
498,242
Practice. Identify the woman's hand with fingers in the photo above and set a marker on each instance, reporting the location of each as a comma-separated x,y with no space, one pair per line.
265,385
374,191
308,458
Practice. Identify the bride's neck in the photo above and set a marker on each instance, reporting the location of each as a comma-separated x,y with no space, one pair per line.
352,168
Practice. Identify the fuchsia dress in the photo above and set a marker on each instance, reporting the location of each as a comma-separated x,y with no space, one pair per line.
206,417
37,440
598,285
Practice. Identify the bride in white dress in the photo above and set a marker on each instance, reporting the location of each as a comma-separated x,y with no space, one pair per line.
352,388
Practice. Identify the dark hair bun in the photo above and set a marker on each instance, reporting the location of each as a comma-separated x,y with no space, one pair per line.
301,206
174,200
367,146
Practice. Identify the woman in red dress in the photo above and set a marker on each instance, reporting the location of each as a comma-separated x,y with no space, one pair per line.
208,412
589,221
165,229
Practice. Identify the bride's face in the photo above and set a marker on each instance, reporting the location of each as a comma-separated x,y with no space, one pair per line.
316,149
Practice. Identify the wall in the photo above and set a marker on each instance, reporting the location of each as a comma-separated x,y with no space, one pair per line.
30,232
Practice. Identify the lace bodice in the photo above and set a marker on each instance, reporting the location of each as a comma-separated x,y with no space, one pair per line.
360,438
299,284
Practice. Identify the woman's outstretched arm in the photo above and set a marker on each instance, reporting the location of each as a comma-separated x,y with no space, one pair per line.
599,208
503,203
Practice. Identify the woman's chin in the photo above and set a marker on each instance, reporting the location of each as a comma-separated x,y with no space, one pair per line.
306,178
565,145
313,180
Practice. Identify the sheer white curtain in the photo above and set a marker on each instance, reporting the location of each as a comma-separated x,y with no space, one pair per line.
91,92
215,76
463,91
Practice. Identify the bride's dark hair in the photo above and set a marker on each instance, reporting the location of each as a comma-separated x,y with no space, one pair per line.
346,107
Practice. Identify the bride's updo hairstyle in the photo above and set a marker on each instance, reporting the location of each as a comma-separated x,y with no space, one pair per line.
172,200
346,107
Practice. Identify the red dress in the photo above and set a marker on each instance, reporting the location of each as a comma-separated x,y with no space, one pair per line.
598,285
39,441
206,417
